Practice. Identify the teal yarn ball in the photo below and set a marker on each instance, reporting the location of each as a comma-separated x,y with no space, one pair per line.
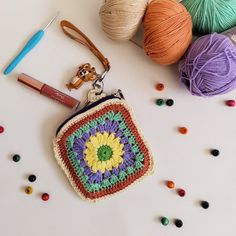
211,15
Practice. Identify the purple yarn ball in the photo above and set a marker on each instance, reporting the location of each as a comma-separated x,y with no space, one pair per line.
209,66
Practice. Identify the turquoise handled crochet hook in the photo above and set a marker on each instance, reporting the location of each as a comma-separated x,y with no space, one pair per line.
34,40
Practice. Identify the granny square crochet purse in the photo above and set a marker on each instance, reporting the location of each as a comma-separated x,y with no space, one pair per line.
100,147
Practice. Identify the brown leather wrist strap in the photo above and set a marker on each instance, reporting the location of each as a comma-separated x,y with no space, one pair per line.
74,33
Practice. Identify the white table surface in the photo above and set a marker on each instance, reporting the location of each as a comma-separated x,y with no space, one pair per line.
30,121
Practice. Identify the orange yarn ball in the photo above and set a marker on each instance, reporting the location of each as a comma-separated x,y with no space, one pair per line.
167,31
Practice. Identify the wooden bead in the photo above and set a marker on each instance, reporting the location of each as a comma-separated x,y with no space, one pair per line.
160,102
169,102
178,223
28,190
45,196
183,130
230,103
16,158
170,184
181,192
164,221
205,204
32,178
1,129
160,87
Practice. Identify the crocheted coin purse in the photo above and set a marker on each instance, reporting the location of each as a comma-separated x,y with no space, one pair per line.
101,149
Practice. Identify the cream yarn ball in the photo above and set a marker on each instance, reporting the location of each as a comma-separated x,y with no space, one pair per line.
122,18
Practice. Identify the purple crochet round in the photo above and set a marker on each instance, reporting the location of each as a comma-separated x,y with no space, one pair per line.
79,147
209,66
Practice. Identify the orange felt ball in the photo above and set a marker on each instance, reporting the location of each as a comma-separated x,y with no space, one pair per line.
167,31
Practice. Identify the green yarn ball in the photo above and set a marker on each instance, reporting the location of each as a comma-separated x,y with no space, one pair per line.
211,15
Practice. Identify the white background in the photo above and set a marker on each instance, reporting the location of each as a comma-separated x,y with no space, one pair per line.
31,120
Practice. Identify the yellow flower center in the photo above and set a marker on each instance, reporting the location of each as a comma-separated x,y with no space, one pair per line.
103,152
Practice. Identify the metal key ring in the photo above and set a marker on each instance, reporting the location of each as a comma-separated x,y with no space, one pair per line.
102,76
99,86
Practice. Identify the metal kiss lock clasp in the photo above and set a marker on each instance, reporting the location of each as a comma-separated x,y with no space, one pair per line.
85,73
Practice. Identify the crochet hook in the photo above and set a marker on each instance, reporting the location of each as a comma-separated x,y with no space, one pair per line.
33,41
